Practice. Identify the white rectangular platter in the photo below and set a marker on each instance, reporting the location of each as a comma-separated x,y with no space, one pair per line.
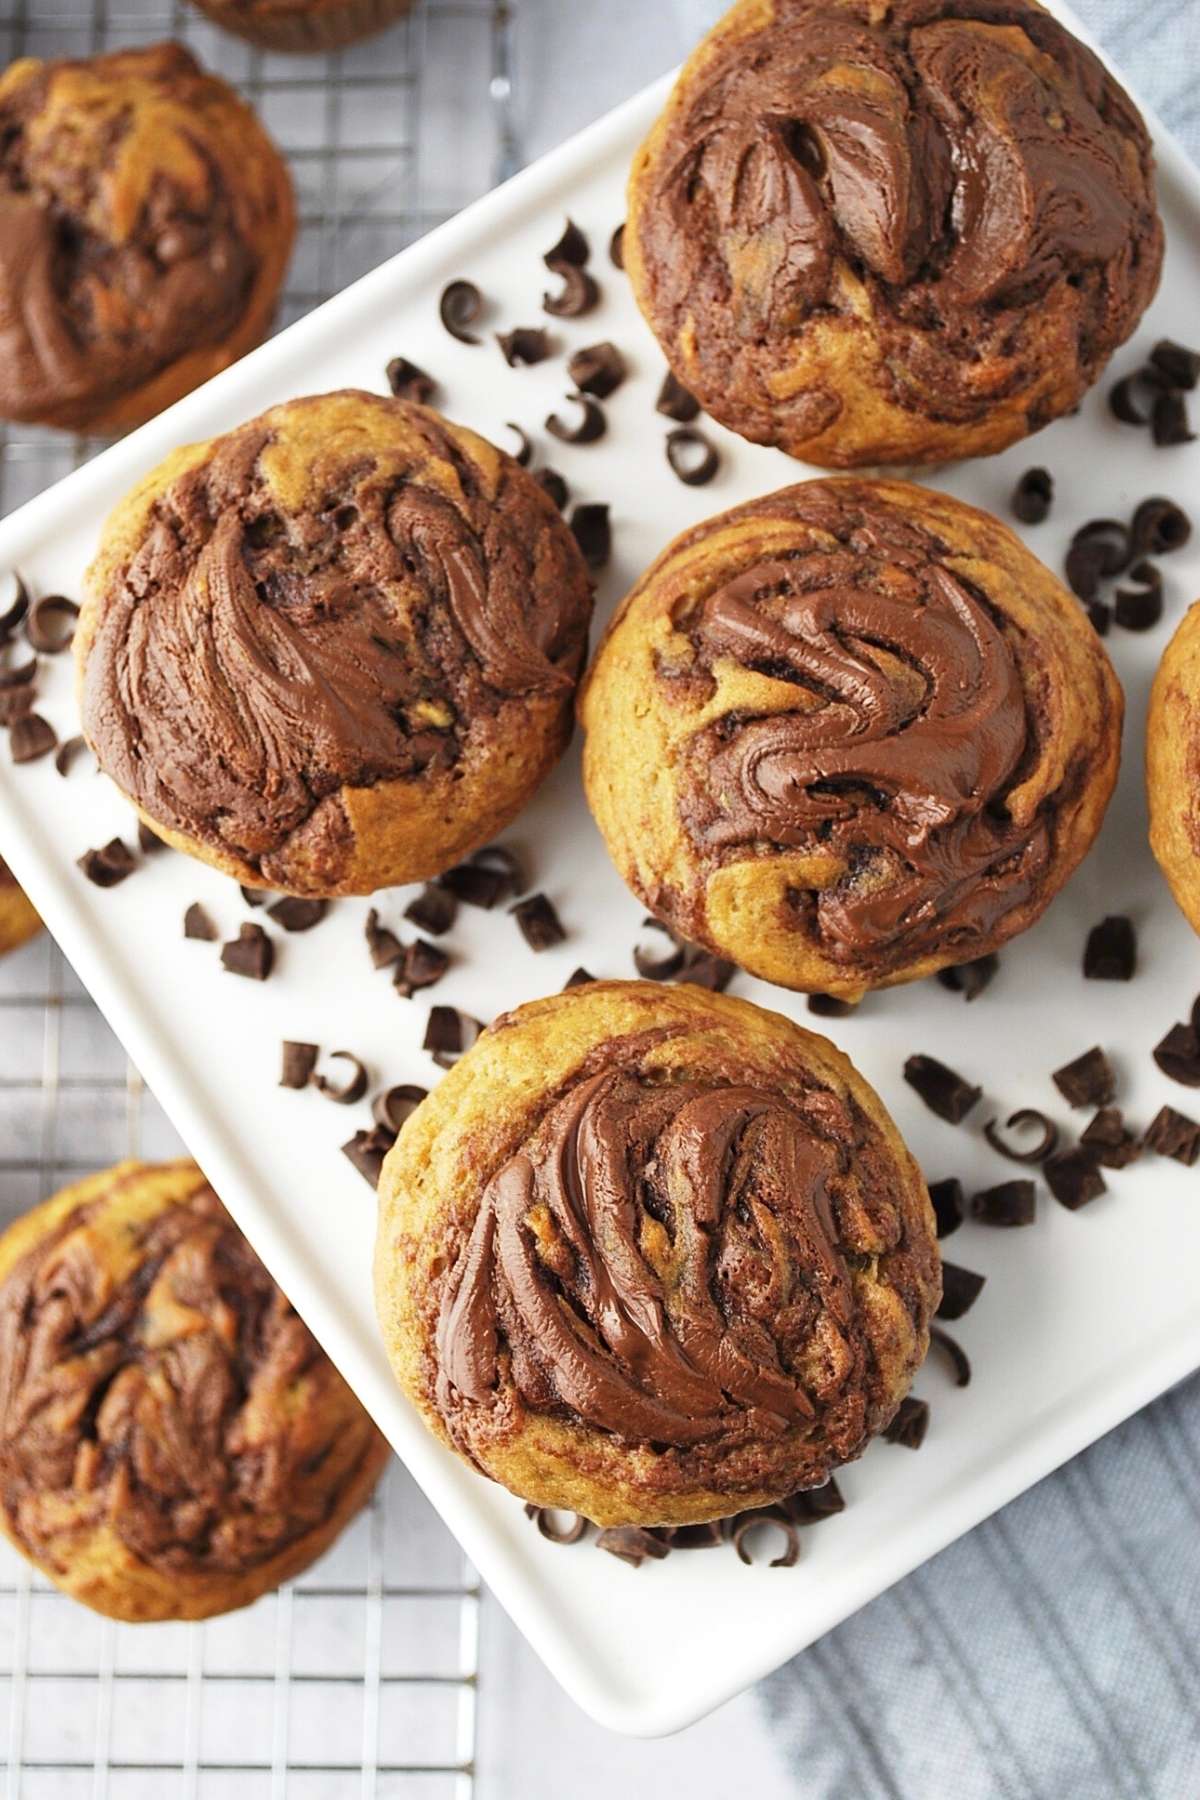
1084,1317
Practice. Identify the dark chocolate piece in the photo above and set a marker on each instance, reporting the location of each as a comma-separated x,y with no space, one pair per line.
295,914
459,307
1178,366
51,624
676,402
1159,527
1123,399
702,969
580,977
149,842
1173,1134
546,1519
709,1536
505,862
592,424
396,1105
1110,1141
572,247
616,248
910,1423
408,382
383,946
255,896
943,1091
828,1006
448,1034
524,454
1110,953
15,703
1178,1055
1141,608
434,910
474,885
749,1522
198,926
579,293
1033,496
632,1543
1169,420
1088,1080
538,922
423,965
20,675
297,1063
1100,548
949,1204
367,1150
592,531
66,753
1074,1178
110,865
528,344
251,953
553,484
31,737
951,1348
350,1091
961,1288
970,978
599,369
1082,569
12,615
808,1506
1025,1115
1100,614
692,458
658,968
1008,1204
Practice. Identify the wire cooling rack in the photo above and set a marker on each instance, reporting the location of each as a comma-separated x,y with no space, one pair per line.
360,1679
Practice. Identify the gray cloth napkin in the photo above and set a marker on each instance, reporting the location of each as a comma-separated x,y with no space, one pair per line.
1053,1654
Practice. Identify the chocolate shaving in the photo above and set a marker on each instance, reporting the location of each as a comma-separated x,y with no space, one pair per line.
523,455
676,402
423,965
367,1150
572,247
255,896
553,484
949,1204
1169,420
297,1063
692,458
1178,1055
12,616
251,953
1173,1134
108,866
31,737
592,531
383,946
808,1506
632,1543
599,369
1139,609
1123,399
459,307
198,925
592,424
528,344
434,910
408,382
1110,1141
580,291
1159,527
1025,1115
580,977
66,753
910,1423
616,248
1100,614
351,1091
1083,568
708,1536
704,970
951,1348
295,914
961,1288
15,703
943,1091
1008,1204
51,624
546,1519
20,676
755,1521
658,968
1178,366
396,1105
1088,1080
1033,496
538,922
1110,953
828,1006
1073,1177
970,978
448,1034
1102,547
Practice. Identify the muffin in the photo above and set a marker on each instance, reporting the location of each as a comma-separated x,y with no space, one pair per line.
655,1255
303,25
336,649
849,734
146,221
18,921
172,1441
1173,765
892,234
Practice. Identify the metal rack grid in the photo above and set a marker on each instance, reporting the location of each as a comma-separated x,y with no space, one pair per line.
360,1678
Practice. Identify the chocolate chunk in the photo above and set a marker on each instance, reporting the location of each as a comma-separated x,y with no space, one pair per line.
109,866
22,675
350,1091
808,1506
255,896
474,886
459,307
910,1423
828,1006
616,248
423,965
13,614
528,344
505,862
295,914
16,703
579,977
396,1105
1159,527
383,946
251,953
539,924
580,292
1140,609
592,531
1033,496
1088,1081
51,624
297,1063
692,458
592,424
1169,420
448,1034
943,1091
970,978
552,482
1009,1203
524,454
750,1522
66,753
1109,1140
708,1536
434,910
408,382
1124,399
632,1543
599,370
704,970
1179,366
1172,1133
198,925
1073,1177
149,842
367,1150
951,1348
1178,1055
1100,614
1025,1115
1111,950
675,402
961,1288
31,737
546,1518
572,247
653,967
949,1204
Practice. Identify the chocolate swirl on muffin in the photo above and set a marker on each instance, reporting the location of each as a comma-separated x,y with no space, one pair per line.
344,600
172,1440
896,234
684,1229
145,224
888,735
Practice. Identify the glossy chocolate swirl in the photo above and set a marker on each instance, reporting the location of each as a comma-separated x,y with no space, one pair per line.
657,1261
180,1403
936,170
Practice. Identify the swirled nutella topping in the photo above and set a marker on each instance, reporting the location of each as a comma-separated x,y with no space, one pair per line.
128,223
656,1261
258,653
181,1402
957,158
909,727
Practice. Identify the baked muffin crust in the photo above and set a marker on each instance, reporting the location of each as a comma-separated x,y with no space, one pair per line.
18,920
1173,765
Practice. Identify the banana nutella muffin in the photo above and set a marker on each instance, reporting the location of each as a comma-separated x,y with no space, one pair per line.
1173,765
18,921
655,1255
336,649
892,234
303,25
146,220
849,734
172,1441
